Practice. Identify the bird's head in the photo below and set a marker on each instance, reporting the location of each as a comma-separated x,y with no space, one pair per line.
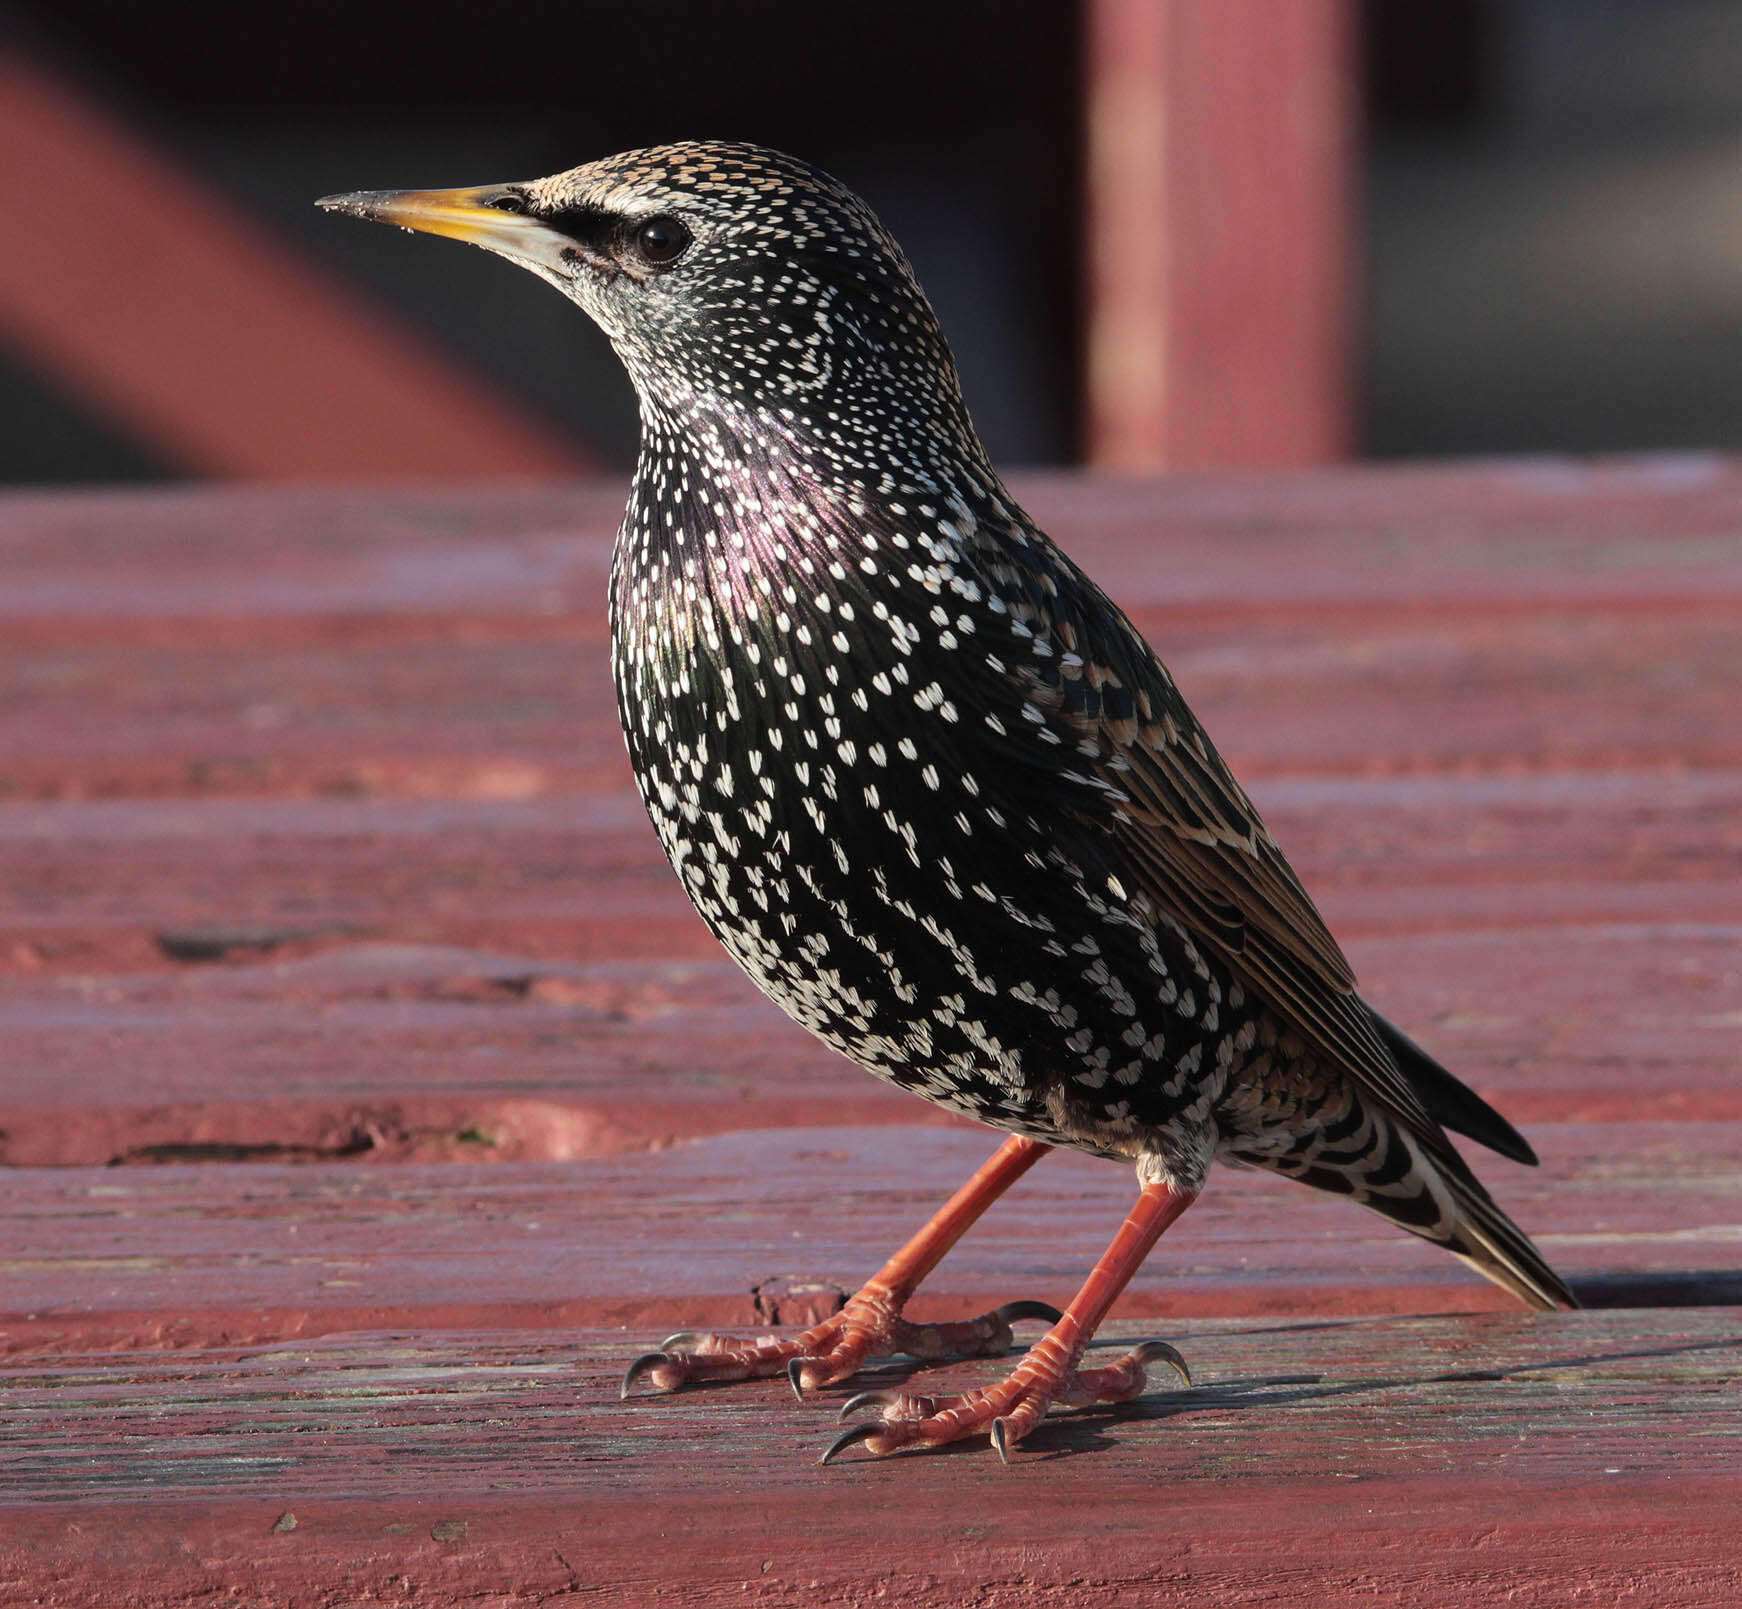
728,277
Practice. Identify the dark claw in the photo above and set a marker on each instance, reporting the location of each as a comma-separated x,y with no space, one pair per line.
795,1373
848,1437
866,1399
1151,1350
999,1442
646,1363
1013,1312
684,1339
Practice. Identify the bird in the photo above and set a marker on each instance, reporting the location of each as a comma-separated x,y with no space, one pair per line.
933,791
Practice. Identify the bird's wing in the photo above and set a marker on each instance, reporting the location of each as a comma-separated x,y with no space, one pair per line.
1169,817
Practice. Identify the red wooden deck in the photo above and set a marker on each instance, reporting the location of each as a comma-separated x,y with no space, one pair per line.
371,1095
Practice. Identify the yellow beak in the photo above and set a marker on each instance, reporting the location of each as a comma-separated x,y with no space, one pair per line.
475,215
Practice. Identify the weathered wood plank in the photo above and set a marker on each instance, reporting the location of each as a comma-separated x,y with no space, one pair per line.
98,882
1505,1459
513,709
392,1049
1631,534
687,1235
316,641
1488,709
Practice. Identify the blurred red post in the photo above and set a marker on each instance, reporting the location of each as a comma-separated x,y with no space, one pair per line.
1219,233
198,334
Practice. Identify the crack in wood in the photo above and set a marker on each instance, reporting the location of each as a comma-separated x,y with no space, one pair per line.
796,1300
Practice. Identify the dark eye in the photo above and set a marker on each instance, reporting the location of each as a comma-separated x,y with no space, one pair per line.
508,201
660,241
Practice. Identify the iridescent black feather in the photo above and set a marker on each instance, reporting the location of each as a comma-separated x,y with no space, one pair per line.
922,778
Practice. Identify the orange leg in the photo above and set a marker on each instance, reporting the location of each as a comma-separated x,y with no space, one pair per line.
871,1321
1049,1373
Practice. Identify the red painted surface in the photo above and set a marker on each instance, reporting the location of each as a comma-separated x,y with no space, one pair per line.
328,914
1219,241
368,1044
219,346
685,1236
1508,1460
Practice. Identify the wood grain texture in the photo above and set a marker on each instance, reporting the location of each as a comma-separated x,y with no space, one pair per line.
122,874
690,1234
369,1094
360,1044
1500,1460
1507,618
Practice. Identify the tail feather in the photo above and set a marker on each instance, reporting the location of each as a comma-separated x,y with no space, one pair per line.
1404,1168
1494,1245
1480,1233
1452,1102
1437,1197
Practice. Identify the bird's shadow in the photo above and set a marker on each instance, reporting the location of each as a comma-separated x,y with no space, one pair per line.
1084,1431
1703,1287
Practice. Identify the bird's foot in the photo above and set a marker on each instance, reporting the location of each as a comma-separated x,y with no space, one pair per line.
869,1325
1006,1411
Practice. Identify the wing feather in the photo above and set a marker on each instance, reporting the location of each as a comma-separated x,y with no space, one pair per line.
1172,821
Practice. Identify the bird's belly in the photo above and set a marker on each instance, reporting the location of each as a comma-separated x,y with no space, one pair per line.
961,960
830,921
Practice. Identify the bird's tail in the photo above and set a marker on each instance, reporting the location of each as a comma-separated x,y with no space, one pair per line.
1492,1244
1418,1182
1437,1197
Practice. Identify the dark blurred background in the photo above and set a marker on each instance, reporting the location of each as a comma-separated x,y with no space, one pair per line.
1496,225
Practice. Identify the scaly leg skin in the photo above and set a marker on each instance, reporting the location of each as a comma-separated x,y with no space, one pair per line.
871,1322
1010,1409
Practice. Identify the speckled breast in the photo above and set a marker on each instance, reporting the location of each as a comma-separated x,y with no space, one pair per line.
831,802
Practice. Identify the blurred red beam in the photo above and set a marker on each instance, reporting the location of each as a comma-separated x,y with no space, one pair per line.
1219,232
196,333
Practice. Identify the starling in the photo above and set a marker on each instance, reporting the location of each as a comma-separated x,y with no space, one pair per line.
931,789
